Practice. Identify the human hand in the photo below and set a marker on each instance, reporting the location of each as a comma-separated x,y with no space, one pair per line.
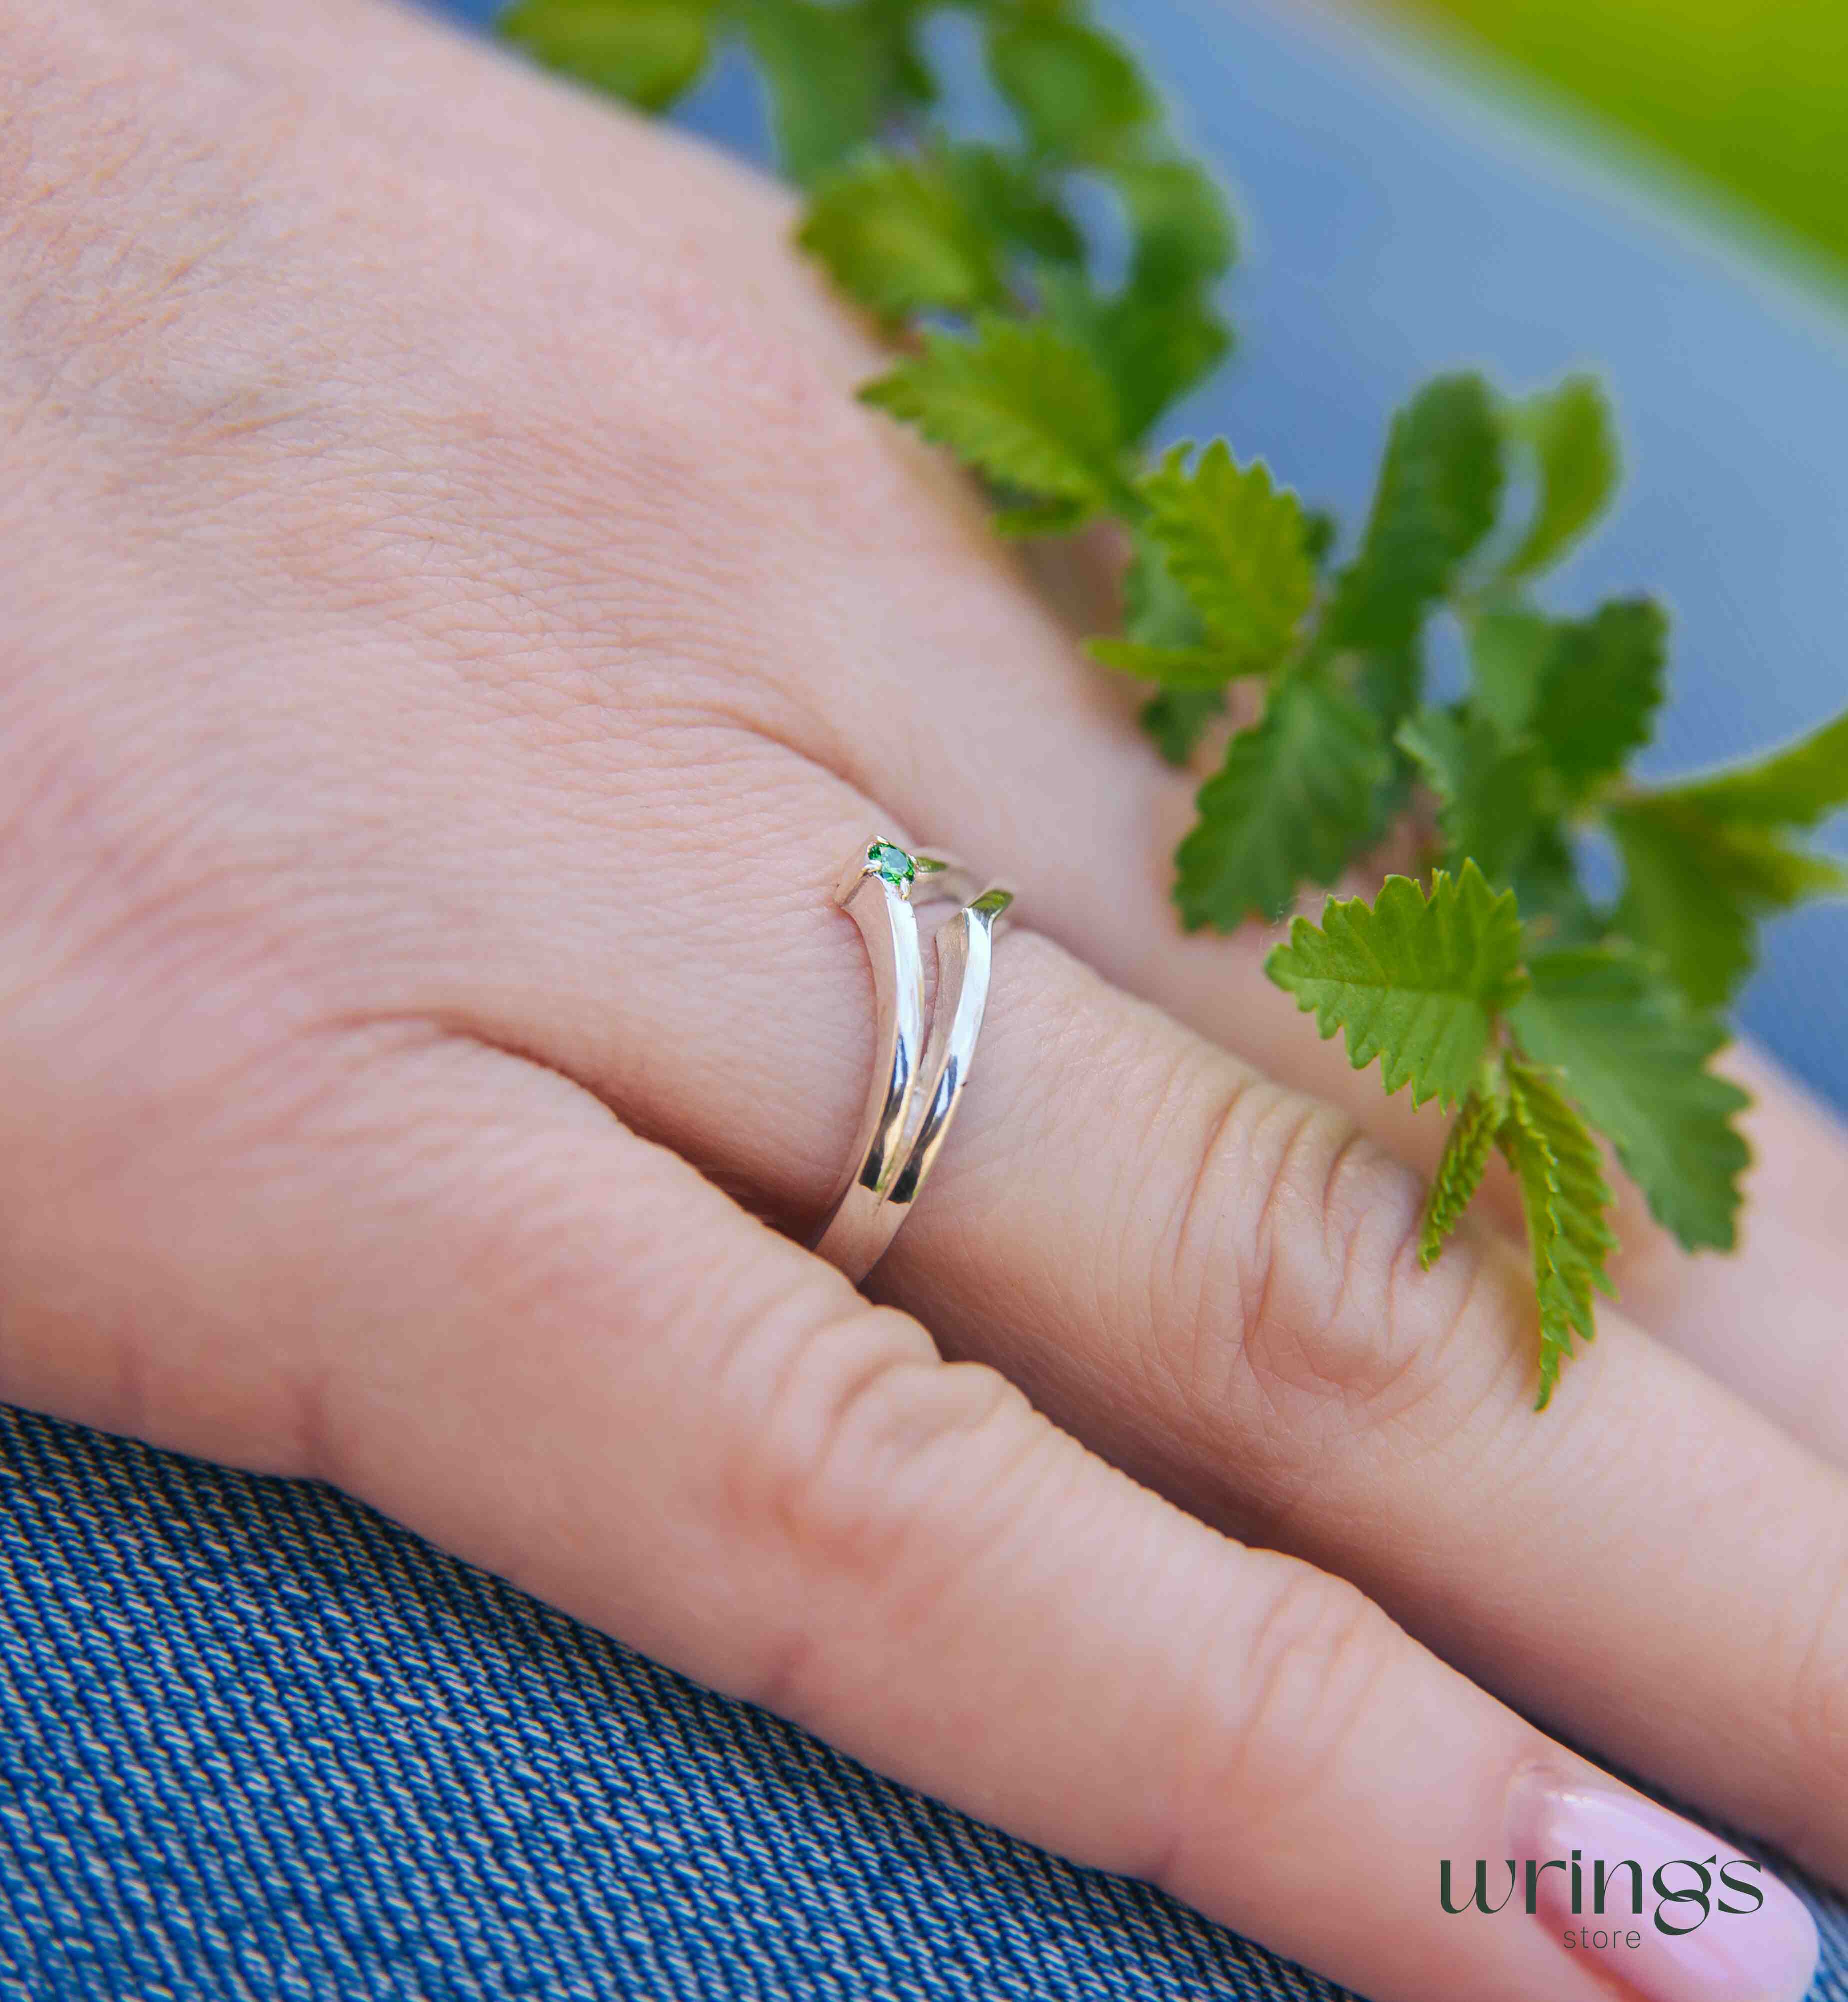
457,625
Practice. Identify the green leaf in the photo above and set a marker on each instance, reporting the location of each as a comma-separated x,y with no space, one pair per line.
827,70
1797,786
1574,439
1703,862
1164,638
1027,519
1387,686
1554,904
1635,1057
1293,800
1156,612
1182,669
1018,402
1439,489
1014,201
646,52
1153,350
1320,531
894,236
1597,698
1181,226
1584,689
1417,983
1695,887
1510,649
1487,787
1079,96
1704,932
1177,718
1440,485
1566,1200
1234,545
1460,1169
892,28
1156,350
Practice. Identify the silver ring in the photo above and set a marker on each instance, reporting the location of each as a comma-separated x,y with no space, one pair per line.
917,1081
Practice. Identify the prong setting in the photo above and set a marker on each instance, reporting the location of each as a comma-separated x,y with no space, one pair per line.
892,864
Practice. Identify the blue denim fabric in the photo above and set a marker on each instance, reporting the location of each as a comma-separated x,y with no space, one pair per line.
255,1743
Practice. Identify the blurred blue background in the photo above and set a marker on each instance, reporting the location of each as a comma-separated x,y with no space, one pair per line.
1397,222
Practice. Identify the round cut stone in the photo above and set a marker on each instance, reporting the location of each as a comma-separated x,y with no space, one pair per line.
891,862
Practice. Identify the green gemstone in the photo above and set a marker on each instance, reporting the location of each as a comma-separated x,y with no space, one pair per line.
891,862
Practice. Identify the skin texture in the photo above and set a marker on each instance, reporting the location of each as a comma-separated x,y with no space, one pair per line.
455,625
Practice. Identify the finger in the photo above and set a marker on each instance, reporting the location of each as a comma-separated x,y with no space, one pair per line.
551,1347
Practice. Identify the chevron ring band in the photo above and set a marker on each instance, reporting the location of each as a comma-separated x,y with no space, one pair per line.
918,1077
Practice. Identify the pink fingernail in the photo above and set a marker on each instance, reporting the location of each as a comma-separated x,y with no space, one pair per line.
1684,1918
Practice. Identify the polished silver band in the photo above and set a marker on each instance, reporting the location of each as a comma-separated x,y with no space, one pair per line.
917,1082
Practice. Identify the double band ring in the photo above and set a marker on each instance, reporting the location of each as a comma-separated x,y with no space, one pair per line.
917,1080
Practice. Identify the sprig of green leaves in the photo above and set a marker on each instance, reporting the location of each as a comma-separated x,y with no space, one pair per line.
1504,986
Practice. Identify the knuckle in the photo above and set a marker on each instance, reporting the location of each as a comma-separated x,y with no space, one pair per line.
1296,1237
850,1471
1315,1667
828,1394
